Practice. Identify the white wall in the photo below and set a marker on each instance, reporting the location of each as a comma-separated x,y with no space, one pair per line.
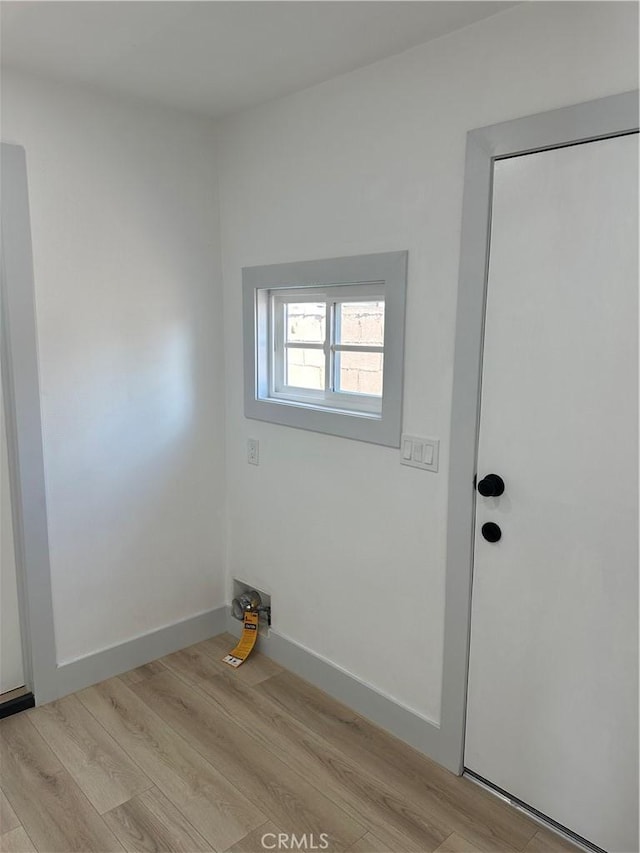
337,530
130,328
125,240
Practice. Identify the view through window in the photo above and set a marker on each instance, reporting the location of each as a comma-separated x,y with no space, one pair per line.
358,326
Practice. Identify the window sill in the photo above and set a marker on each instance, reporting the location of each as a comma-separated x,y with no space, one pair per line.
321,407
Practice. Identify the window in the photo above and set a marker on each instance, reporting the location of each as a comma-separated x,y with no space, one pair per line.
328,347
324,343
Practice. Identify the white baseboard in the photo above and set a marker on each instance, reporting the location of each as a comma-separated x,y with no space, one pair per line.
416,730
96,667
407,725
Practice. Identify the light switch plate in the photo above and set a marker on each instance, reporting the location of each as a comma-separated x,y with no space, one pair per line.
420,452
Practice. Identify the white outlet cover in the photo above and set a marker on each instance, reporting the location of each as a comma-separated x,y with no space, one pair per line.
253,451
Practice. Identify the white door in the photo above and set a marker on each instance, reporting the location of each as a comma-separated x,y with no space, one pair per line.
552,714
11,667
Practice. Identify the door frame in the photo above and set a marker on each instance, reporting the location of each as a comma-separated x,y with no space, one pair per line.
24,429
616,115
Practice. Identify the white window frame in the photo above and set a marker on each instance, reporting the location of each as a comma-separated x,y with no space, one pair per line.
329,397
362,278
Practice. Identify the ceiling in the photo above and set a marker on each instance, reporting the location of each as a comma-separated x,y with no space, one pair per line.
217,58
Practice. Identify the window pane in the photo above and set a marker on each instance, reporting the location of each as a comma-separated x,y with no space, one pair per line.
304,368
361,323
359,372
305,322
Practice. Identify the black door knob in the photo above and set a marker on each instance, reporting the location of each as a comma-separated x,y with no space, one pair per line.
491,486
491,532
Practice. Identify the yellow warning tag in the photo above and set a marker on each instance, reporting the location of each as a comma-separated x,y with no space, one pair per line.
247,640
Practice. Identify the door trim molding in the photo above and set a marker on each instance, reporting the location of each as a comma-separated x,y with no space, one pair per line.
24,426
586,122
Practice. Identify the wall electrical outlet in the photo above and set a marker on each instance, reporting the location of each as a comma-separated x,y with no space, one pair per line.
420,452
253,451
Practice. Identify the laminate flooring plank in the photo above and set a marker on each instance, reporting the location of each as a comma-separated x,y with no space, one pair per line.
255,669
52,809
468,809
8,818
142,672
194,665
151,823
16,841
457,844
217,809
307,703
253,842
545,841
370,844
98,765
281,793
370,801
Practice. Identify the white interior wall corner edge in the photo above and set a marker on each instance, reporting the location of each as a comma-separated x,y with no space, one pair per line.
341,535
127,272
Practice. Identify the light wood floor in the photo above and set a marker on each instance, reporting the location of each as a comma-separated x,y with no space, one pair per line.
185,754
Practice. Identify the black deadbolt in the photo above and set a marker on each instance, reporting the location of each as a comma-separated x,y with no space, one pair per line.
491,532
491,486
